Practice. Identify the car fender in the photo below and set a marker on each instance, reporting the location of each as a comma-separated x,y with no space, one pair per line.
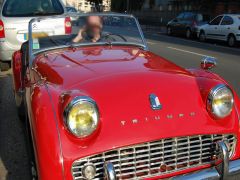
45,134
17,71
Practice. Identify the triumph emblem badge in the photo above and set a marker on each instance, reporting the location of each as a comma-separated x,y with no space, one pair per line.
155,103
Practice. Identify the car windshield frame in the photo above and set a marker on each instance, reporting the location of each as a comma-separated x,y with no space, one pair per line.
32,53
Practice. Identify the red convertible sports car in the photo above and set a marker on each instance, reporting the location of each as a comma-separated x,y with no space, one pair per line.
99,105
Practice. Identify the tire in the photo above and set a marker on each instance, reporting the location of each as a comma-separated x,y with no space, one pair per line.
202,36
188,33
169,31
231,40
30,151
20,106
5,66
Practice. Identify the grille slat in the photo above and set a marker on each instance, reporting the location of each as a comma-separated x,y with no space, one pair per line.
156,158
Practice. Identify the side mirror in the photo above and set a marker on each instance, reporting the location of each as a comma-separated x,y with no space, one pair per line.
208,63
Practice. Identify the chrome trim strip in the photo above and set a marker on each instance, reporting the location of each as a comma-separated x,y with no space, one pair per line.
210,173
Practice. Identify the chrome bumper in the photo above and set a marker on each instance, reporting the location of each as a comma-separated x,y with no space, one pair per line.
212,173
222,171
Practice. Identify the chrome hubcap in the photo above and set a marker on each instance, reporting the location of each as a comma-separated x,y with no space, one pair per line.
33,171
169,30
231,41
202,37
188,33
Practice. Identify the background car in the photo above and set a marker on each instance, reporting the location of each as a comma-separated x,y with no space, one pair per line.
71,9
224,27
14,18
186,24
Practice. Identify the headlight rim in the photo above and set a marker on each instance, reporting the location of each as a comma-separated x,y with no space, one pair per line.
211,95
71,104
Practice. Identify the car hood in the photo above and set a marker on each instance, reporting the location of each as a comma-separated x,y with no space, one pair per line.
121,81
68,68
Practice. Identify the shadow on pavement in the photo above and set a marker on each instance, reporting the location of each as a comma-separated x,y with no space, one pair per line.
13,153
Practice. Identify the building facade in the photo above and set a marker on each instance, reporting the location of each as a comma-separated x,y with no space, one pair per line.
161,11
87,6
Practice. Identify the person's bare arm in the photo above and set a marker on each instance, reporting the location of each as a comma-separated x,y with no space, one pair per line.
79,37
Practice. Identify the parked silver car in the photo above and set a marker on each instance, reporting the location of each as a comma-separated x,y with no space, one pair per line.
224,27
14,18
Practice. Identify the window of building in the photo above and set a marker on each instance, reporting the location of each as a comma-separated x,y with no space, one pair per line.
227,20
216,21
190,7
169,7
160,8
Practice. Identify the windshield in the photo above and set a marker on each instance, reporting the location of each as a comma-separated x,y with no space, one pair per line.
85,30
28,8
71,9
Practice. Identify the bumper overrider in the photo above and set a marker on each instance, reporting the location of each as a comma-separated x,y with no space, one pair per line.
222,171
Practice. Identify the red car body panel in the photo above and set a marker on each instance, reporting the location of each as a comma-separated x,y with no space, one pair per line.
120,80
17,67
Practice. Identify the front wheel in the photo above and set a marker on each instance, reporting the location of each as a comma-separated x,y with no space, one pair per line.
202,36
231,40
30,150
188,33
20,106
169,31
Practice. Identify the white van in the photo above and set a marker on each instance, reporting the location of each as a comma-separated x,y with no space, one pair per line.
14,19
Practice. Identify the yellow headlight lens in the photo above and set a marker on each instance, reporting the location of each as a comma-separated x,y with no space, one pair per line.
82,117
221,101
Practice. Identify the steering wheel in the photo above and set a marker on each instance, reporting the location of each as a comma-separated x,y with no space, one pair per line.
118,35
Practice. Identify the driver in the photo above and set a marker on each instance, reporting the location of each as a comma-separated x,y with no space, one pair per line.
91,32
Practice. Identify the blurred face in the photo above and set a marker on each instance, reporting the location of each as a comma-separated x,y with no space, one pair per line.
94,24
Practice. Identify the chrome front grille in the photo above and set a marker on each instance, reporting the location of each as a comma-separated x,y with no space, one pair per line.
157,157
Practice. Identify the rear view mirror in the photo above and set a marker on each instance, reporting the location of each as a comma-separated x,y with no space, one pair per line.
208,63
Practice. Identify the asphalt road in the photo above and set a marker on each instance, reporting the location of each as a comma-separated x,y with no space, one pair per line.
187,53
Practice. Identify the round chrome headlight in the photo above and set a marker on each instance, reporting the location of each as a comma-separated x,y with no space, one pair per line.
220,101
81,116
